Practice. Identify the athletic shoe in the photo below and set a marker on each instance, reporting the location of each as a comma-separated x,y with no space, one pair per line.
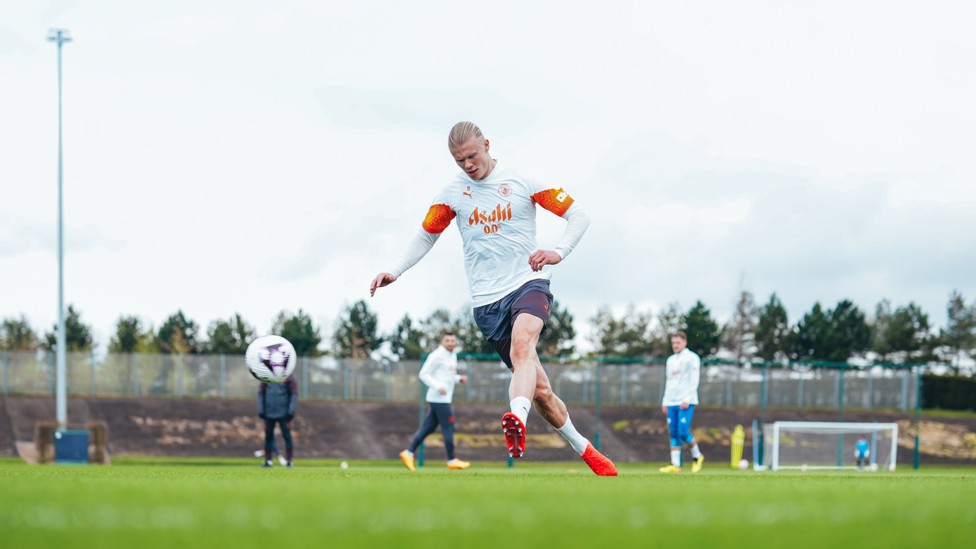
670,469
457,464
407,459
282,460
599,463
514,431
267,464
696,465
259,453
288,464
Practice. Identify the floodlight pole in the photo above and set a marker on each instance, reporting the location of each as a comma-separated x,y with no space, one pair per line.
60,37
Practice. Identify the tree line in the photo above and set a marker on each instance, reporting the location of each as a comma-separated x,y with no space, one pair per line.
897,334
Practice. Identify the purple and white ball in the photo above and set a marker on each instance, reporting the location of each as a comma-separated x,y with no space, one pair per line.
270,359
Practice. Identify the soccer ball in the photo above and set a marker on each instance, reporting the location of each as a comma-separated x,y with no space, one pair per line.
270,359
743,464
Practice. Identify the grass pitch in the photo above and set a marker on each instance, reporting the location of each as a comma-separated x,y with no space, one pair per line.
142,503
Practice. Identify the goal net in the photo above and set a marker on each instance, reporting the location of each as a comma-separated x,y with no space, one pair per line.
830,445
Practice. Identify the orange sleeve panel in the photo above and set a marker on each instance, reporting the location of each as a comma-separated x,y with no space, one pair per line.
438,218
556,201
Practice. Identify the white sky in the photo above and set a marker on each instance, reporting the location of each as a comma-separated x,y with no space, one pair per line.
250,157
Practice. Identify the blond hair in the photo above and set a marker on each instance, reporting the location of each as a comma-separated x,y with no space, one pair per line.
461,132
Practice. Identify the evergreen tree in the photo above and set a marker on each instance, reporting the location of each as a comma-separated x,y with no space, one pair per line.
130,337
703,332
669,320
16,334
405,340
230,337
774,335
848,332
77,334
177,335
300,330
356,335
625,337
959,335
811,335
908,331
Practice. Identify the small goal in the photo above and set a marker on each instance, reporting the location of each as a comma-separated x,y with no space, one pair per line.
829,445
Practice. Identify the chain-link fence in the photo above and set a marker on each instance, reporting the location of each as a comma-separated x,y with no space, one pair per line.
586,382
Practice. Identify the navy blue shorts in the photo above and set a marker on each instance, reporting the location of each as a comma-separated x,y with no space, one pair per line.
496,319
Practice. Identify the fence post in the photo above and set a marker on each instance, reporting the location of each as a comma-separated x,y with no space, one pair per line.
389,380
91,369
136,385
345,379
840,391
918,416
305,377
870,390
4,361
904,389
625,368
223,375
179,376
728,385
596,436
799,393
50,372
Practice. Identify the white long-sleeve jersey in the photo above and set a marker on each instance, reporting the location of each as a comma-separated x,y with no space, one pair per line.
496,218
683,372
440,372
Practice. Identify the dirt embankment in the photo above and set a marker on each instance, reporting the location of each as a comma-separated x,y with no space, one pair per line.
379,430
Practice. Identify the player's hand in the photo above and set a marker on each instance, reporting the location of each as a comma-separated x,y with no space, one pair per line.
664,409
382,279
684,405
442,391
541,258
463,379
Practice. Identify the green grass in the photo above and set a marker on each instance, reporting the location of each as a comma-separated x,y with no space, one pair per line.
232,503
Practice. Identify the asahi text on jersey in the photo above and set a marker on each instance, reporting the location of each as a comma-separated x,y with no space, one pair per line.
491,218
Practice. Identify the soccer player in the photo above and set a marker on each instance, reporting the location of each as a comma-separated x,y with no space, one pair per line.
680,399
495,207
862,452
439,374
277,403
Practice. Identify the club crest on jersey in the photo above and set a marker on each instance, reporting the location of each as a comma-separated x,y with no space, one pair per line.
505,190
497,215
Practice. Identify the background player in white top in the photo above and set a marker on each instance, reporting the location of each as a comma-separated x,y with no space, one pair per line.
439,374
495,209
680,398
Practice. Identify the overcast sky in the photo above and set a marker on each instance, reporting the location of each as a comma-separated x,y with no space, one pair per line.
250,157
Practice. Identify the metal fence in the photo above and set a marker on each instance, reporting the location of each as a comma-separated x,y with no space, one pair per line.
587,382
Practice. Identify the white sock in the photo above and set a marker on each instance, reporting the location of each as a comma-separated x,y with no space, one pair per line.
520,407
572,436
695,452
676,458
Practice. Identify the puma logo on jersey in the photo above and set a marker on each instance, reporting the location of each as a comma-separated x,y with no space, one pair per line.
467,192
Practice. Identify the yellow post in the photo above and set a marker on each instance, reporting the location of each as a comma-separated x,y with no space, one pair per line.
738,441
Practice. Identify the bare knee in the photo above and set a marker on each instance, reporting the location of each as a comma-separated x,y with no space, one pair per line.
522,350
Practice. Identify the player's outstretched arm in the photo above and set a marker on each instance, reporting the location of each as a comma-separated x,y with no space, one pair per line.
382,279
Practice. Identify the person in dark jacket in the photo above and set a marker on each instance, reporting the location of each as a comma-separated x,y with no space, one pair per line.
276,405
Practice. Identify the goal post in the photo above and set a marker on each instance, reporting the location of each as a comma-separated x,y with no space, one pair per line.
829,445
